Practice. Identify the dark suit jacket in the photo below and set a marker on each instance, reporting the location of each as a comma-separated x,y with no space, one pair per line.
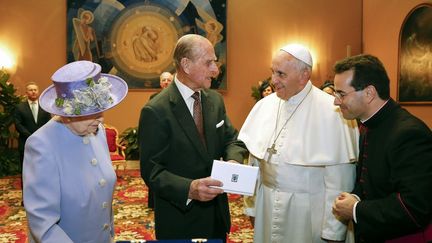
25,123
172,155
394,181
153,95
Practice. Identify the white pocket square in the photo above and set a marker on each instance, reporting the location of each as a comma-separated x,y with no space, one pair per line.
220,124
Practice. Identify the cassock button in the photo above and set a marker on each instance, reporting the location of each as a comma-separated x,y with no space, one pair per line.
102,182
104,205
105,227
94,161
86,140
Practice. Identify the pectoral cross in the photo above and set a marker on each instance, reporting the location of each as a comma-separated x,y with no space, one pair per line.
271,151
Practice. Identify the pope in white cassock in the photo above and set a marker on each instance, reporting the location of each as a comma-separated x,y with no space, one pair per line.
306,152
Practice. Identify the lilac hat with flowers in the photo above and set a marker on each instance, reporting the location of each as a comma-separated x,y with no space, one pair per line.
80,89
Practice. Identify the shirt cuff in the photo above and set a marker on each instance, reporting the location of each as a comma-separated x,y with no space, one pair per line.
354,208
188,201
357,197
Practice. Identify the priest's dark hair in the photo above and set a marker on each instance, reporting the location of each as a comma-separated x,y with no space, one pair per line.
368,70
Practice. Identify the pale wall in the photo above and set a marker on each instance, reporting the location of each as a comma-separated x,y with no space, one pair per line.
382,21
35,31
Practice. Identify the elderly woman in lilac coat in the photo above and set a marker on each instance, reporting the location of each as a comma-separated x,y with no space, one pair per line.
68,177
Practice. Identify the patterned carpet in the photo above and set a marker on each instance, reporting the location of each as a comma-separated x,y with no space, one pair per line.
133,220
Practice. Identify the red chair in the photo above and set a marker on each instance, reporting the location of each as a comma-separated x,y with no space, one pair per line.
116,150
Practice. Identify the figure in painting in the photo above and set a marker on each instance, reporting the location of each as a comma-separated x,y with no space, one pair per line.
207,21
145,45
85,36
416,55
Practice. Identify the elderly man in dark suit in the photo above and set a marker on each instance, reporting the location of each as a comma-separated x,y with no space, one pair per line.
181,131
29,117
392,199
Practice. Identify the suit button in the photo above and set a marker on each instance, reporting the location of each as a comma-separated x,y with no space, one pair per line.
105,227
102,182
94,161
104,205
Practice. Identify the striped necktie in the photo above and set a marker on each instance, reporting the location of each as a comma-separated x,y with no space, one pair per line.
197,115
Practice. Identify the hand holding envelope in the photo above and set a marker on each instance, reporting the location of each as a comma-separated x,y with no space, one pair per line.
204,189
236,178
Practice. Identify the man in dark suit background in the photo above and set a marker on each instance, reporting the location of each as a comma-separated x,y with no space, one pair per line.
392,197
177,148
29,117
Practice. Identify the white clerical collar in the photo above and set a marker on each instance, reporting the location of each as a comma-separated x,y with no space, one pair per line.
363,121
300,95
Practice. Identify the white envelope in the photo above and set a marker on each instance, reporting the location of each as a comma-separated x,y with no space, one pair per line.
236,178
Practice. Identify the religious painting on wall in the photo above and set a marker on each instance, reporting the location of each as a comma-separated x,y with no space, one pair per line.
135,39
415,57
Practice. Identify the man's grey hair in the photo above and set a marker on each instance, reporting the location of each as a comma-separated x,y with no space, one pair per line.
185,47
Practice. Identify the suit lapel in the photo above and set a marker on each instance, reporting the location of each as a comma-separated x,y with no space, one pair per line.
209,119
40,115
185,120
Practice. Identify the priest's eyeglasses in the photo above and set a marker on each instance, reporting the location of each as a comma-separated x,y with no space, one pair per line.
340,95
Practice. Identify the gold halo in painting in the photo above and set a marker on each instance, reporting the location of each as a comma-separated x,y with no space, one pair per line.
143,40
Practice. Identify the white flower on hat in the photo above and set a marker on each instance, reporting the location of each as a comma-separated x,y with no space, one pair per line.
67,107
94,97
